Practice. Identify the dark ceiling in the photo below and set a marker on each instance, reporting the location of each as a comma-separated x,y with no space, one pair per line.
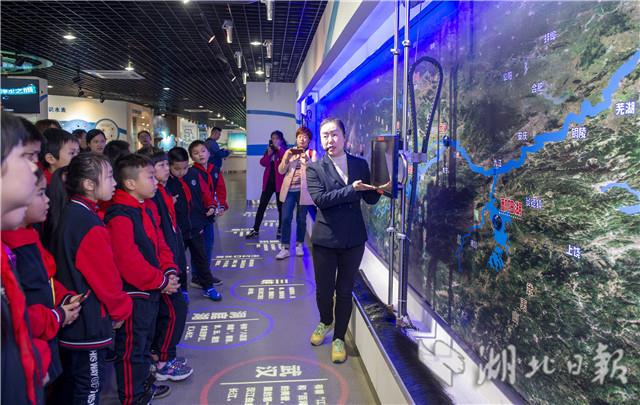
167,43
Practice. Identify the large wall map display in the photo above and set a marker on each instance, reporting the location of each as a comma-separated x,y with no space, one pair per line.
526,230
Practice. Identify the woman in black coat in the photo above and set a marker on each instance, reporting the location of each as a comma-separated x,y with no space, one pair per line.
336,184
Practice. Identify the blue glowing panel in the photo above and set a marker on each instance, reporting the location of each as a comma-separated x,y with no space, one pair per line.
526,227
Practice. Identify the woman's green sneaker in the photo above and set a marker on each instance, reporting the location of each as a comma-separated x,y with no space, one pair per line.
338,352
317,337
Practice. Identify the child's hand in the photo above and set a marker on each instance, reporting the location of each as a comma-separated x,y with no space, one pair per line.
211,211
116,324
221,212
173,286
71,311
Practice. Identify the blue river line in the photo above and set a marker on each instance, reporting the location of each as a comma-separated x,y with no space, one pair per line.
630,210
500,235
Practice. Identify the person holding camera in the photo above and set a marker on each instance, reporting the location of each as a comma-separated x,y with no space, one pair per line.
271,180
294,191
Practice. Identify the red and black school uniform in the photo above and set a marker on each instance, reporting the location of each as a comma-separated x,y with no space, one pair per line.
22,364
45,295
145,263
201,201
172,311
216,192
84,259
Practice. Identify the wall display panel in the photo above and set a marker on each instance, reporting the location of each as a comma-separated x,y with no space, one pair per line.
526,228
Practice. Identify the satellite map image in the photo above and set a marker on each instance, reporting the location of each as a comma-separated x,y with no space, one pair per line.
526,229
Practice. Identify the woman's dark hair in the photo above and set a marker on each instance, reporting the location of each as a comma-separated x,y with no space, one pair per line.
45,124
13,134
33,134
304,130
178,154
116,149
67,181
93,133
80,133
336,121
280,135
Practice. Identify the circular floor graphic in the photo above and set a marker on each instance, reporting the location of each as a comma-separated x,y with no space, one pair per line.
276,380
272,289
218,327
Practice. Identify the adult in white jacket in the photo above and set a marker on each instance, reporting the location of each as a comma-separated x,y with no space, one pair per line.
294,193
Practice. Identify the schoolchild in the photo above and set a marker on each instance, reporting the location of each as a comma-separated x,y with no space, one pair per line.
58,150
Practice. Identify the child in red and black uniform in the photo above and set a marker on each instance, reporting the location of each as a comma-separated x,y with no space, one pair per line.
215,192
84,259
58,150
148,270
194,210
172,312
22,366
50,304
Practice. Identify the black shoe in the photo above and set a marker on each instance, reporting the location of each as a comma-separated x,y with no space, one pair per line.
160,391
216,281
253,234
196,284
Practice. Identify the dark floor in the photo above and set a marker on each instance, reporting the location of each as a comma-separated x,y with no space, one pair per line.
253,346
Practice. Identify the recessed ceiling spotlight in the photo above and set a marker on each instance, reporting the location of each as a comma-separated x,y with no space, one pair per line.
211,39
89,96
256,43
259,72
166,88
69,37
129,67
49,86
218,115
186,1
200,106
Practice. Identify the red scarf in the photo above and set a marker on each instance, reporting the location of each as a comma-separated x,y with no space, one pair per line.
18,306
168,201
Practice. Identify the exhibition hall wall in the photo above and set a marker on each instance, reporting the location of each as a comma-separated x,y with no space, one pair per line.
526,229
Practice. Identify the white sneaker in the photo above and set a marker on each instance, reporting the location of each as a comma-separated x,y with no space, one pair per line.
283,254
299,250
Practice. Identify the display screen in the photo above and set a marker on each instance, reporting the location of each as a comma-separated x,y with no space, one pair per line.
384,164
20,96
237,141
526,229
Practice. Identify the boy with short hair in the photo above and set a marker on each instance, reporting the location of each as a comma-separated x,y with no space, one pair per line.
148,270
172,313
194,206
33,143
58,151
215,188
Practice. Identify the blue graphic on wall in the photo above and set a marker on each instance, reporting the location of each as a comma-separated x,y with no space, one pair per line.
107,125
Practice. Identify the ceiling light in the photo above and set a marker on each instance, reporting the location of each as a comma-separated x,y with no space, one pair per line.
80,92
269,4
129,67
227,26
233,79
238,56
49,86
200,106
101,98
212,38
69,37
166,88
266,85
218,115
186,1
259,72
244,77
269,45
255,43
89,96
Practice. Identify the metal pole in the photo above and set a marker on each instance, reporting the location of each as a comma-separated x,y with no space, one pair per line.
394,118
402,279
